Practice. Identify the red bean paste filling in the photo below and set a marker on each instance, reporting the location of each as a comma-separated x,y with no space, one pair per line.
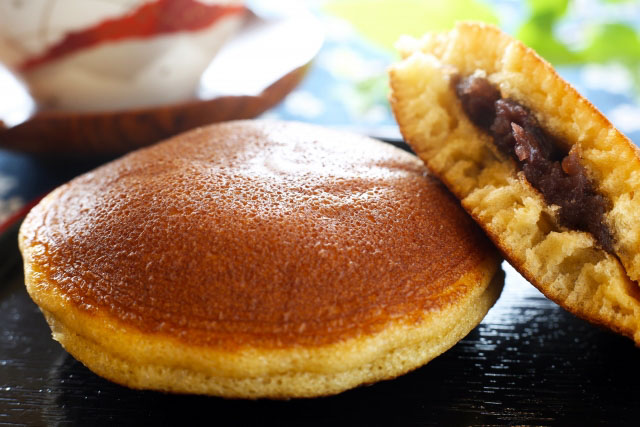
558,176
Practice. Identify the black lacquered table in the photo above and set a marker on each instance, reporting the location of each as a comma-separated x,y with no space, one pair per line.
528,362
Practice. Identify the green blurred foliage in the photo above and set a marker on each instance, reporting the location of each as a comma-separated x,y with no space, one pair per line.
614,41
537,31
383,21
606,42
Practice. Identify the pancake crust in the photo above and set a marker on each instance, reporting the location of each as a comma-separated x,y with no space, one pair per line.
567,265
257,259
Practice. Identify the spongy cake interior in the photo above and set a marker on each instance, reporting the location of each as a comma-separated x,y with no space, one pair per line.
567,265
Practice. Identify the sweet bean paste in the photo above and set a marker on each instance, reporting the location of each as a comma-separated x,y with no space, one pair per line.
557,175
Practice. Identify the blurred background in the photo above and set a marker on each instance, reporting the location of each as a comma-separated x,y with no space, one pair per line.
342,49
594,44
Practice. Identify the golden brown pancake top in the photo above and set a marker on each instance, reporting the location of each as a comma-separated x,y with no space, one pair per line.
258,233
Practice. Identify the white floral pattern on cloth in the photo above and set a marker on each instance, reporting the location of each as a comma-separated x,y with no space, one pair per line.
9,204
346,87
614,82
627,118
305,104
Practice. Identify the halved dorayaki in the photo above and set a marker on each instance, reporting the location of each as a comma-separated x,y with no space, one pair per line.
549,178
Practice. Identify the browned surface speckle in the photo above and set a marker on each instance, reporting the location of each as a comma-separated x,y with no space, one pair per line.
278,234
